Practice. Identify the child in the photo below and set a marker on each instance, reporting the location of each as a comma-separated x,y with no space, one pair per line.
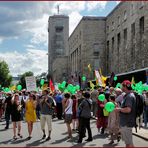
113,123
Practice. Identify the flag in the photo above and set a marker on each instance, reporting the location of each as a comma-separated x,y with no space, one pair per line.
99,80
133,80
103,78
89,67
91,84
51,86
44,87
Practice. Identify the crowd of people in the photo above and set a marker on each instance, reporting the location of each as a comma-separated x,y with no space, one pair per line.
76,109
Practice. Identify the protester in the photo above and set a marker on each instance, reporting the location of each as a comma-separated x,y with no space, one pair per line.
94,97
30,114
68,113
74,111
113,122
84,119
8,105
101,119
16,115
146,109
46,104
127,114
59,107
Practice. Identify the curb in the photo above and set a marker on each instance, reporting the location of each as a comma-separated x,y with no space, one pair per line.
145,138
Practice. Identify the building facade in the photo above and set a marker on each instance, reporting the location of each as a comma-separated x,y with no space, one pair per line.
87,46
127,37
117,43
58,33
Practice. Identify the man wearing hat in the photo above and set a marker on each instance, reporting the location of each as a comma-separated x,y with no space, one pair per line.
127,113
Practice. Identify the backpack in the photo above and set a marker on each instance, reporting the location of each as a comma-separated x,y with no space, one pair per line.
139,109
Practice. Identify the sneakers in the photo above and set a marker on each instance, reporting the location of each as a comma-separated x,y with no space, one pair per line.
89,139
44,136
28,138
20,135
14,138
48,138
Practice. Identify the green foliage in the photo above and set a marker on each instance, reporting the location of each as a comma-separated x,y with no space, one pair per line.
5,77
22,81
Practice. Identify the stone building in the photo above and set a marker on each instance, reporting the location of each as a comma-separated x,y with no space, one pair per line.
127,37
87,46
116,43
58,33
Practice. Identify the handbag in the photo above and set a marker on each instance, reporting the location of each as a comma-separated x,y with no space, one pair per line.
105,112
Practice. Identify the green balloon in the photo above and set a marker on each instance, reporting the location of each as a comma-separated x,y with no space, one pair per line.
65,91
63,83
19,87
118,85
42,82
7,89
101,97
83,78
77,87
109,106
115,78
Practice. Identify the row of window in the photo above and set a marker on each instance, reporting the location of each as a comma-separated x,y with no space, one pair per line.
132,10
125,33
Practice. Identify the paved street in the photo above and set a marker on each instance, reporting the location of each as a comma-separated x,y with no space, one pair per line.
58,138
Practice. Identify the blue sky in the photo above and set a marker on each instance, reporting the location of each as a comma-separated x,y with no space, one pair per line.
23,31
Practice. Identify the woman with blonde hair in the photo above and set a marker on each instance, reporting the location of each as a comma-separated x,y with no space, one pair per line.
30,114
16,115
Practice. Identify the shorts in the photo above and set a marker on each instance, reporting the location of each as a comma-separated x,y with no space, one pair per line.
68,118
126,134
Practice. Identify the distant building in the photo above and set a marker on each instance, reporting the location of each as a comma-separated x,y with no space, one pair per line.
87,46
58,33
116,43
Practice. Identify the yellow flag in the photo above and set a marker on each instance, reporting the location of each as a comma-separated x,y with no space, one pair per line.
91,84
13,88
45,86
133,80
89,67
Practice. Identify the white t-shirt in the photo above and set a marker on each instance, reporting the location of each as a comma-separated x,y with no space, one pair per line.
68,109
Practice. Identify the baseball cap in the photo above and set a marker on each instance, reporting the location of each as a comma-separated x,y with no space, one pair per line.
126,83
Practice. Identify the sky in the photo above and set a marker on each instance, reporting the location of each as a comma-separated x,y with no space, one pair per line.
24,25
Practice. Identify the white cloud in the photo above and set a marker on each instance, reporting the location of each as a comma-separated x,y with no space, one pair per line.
74,19
100,5
34,60
118,2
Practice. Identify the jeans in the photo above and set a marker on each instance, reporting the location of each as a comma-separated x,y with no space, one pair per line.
7,118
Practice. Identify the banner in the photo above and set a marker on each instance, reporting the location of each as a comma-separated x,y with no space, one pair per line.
99,80
30,83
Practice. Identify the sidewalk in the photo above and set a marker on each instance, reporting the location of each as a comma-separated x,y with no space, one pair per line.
142,133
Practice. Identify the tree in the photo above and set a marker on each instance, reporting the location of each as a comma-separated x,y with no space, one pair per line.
5,77
22,78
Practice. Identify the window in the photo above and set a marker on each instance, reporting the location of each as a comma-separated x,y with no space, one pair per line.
113,26
107,29
96,63
59,28
125,37
118,40
96,47
133,30
107,57
141,23
125,15
113,44
119,20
